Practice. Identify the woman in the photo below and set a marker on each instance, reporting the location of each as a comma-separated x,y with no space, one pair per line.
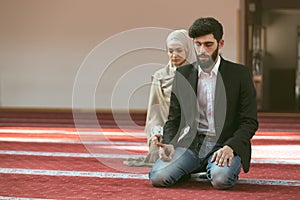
180,52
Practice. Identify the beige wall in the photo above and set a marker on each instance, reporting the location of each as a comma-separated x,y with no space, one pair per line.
44,44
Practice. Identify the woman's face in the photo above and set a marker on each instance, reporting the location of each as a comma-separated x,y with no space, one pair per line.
176,54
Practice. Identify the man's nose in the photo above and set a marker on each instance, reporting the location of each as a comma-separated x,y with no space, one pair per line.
201,49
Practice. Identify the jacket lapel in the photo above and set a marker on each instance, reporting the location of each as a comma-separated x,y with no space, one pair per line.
193,77
191,99
220,104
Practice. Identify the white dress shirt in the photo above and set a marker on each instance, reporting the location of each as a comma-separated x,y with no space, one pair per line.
206,98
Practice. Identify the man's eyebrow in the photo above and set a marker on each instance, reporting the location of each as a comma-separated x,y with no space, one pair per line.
207,42
175,48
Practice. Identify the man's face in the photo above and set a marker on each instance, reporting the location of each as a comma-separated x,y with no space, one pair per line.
207,49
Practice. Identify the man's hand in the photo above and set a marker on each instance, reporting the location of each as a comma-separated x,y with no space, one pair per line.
223,155
166,151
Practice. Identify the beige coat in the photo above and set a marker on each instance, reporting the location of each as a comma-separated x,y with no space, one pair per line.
159,100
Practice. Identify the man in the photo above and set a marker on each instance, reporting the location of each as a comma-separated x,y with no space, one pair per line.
212,116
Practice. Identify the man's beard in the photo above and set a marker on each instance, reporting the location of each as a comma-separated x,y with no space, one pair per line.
211,59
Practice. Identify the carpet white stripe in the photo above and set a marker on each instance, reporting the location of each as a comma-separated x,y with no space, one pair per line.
19,198
264,137
72,141
72,173
122,156
136,133
22,131
276,162
131,176
66,141
64,154
261,181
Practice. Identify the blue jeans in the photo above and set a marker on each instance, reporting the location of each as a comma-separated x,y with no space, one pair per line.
185,162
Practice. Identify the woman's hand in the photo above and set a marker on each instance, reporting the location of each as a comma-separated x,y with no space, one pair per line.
157,139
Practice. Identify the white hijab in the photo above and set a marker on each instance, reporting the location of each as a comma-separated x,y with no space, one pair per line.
181,37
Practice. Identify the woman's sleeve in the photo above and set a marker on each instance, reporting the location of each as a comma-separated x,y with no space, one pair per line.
157,111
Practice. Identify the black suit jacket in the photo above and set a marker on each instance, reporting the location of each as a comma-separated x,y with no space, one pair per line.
235,110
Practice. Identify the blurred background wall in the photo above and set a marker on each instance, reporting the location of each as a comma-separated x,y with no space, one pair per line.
45,43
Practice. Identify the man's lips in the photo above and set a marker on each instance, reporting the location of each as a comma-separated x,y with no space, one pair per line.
203,56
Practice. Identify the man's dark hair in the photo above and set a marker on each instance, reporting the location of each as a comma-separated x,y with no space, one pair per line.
204,26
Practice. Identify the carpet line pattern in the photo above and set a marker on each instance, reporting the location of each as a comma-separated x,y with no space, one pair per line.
19,198
129,176
123,156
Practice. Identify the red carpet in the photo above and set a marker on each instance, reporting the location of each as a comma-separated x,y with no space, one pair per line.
28,186
39,141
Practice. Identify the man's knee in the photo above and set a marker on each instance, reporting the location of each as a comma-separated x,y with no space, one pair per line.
159,179
224,177
222,181
155,179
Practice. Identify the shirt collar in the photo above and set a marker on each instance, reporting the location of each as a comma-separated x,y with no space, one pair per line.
214,69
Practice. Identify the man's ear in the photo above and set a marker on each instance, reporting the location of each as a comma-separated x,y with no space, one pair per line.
221,43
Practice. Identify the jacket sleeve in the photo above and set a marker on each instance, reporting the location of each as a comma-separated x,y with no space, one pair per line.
172,125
